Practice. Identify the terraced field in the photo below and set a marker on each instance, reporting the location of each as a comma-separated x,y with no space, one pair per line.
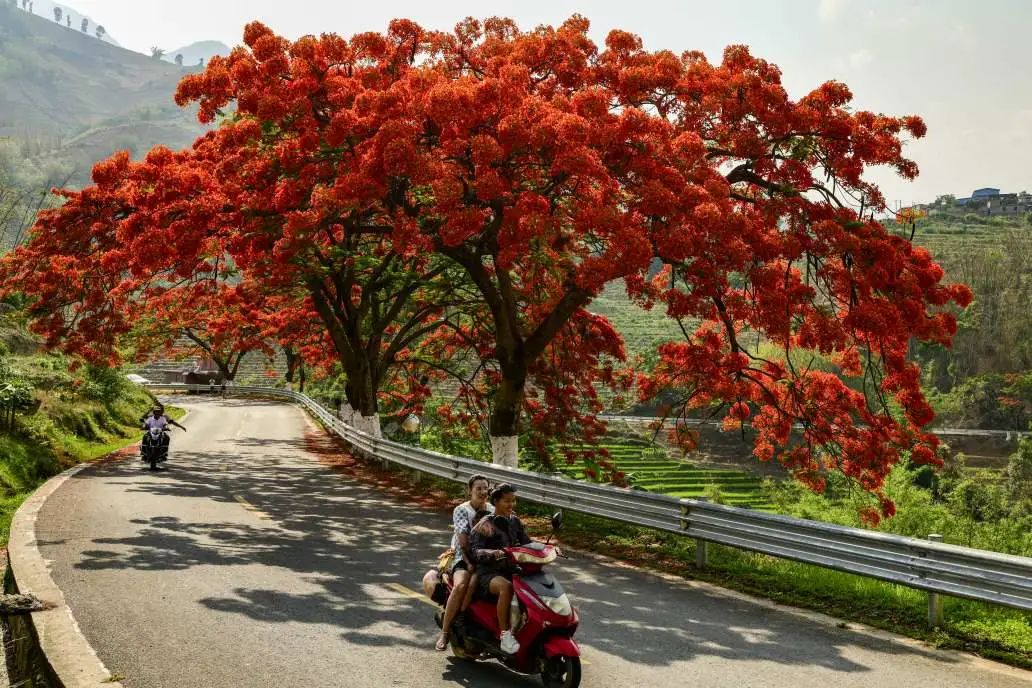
652,469
642,330
949,246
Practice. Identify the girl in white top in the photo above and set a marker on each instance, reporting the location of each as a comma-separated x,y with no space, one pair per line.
461,569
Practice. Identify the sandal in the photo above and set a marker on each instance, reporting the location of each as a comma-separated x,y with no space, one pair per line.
442,642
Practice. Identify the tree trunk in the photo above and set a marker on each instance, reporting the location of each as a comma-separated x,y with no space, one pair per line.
360,390
223,367
293,359
346,412
504,425
505,451
361,386
370,425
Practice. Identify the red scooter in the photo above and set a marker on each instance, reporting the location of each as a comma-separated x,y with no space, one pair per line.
541,616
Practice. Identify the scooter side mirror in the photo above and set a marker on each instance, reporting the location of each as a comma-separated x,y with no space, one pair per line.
557,520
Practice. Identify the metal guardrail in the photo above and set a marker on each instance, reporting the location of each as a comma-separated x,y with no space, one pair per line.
1005,435
923,564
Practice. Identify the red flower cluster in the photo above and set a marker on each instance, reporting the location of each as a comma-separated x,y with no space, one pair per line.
449,203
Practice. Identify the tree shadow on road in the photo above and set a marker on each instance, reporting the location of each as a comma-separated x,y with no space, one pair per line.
338,543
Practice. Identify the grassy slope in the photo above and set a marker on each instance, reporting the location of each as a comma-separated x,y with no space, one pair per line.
642,330
72,425
69,100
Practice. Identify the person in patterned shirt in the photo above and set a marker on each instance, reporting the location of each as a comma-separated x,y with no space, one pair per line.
462,567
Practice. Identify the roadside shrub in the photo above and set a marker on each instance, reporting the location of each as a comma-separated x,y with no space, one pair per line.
1018,477
964,511
713,493
103,384
991,401
39,429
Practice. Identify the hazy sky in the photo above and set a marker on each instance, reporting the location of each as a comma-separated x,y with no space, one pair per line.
959,64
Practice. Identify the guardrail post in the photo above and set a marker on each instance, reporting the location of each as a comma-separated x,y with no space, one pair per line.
701,553
701,549
701,546
934,599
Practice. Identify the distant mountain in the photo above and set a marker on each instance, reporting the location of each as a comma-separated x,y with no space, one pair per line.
201,50
68,100
71,18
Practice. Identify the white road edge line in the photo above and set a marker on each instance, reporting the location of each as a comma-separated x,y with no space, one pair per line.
70,655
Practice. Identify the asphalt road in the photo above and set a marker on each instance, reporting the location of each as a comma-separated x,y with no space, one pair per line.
249,563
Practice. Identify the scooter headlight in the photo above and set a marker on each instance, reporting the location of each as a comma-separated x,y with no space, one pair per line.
559,605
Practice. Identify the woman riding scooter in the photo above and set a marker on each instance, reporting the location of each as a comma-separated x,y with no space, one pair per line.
531,626
490,538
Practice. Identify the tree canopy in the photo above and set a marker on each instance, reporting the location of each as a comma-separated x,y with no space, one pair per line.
426,193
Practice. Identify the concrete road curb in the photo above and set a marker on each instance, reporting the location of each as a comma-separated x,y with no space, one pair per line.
70,655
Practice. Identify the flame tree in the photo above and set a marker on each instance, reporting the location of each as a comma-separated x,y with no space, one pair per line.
536,166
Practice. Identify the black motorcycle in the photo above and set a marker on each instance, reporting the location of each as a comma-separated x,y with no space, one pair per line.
154,448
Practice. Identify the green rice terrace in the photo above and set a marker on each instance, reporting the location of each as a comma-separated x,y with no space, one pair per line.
653,469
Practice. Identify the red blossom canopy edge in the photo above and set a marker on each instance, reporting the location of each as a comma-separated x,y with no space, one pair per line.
546,167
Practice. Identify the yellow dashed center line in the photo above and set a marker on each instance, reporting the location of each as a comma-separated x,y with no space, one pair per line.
409,592
251,507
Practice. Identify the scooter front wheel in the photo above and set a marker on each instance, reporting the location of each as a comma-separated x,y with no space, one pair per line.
561,672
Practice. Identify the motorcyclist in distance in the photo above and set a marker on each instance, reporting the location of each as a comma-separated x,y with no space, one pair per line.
157,419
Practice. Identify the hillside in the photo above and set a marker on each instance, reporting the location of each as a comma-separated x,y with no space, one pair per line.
70,18
201,50
68,99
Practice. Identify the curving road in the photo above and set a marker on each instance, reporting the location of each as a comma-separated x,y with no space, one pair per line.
250,563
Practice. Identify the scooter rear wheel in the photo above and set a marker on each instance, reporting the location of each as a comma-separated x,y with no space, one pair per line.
561,672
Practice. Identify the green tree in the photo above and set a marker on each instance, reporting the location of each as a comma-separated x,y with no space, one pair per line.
992,336
1018,477
15,396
